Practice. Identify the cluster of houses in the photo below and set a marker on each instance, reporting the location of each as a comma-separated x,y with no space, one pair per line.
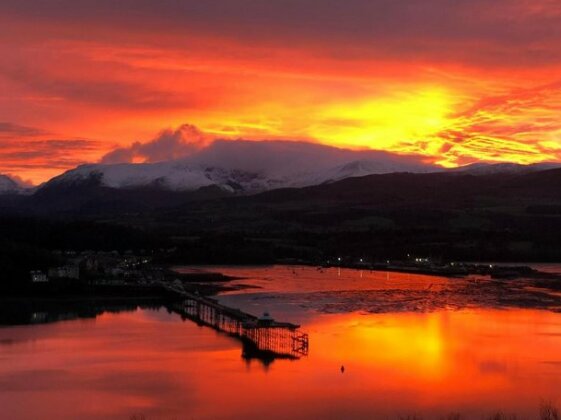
63,272
100,267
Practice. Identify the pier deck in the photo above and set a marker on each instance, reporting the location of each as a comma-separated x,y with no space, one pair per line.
278,339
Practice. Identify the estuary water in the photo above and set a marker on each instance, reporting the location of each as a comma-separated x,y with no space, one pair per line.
410,345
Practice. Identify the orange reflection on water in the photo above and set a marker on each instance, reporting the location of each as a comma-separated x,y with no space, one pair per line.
474,361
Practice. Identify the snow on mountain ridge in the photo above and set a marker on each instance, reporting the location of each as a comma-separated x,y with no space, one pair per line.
248,167
174,176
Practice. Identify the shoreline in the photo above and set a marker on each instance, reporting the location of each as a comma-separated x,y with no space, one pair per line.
210,281
461,270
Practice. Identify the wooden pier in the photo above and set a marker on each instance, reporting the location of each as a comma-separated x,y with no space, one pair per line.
265,338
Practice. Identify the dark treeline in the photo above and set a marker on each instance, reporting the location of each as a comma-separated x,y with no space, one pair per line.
36,244
76,235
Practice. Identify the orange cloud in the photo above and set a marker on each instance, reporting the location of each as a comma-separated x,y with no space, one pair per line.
169,145
476,82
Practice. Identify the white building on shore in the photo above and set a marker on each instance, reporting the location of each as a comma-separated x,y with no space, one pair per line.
38,277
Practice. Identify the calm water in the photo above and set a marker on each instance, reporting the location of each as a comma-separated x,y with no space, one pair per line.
147,361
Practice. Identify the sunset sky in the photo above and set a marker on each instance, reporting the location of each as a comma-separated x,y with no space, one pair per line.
454,81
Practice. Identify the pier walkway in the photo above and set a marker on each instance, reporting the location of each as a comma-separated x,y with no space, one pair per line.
277,339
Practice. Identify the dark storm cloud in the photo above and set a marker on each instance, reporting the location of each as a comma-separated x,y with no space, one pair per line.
524,32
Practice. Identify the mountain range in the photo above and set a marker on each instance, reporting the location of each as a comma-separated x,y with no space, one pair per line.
247,167
251,202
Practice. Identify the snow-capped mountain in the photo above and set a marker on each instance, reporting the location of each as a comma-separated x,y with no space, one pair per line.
8,185
245,167
173,176
248,167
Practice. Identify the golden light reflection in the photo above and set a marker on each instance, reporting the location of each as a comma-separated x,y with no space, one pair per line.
448,358
416,343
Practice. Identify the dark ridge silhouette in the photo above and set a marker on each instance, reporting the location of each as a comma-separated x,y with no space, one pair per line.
453,215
